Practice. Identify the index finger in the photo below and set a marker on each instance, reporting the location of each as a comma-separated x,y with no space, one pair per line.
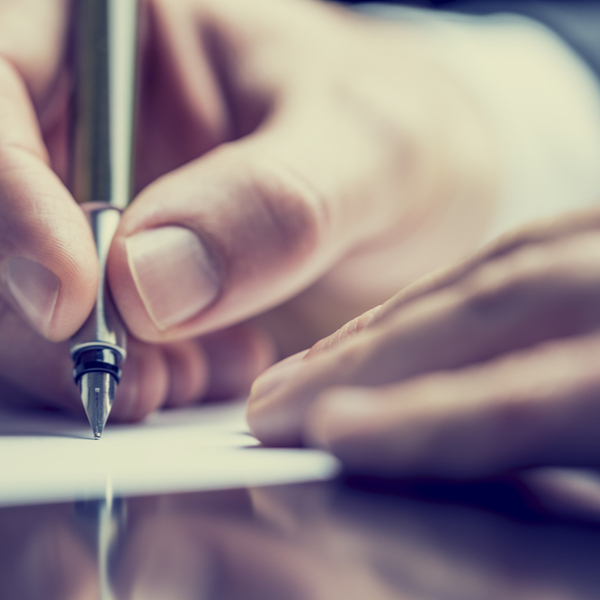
47,260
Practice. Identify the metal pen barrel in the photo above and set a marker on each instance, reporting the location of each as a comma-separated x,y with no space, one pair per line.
104,67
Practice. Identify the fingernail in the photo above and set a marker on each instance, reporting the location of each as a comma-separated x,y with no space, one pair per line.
35,290
127,396
173,274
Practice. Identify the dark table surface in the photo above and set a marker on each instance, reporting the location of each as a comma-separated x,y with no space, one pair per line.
354,538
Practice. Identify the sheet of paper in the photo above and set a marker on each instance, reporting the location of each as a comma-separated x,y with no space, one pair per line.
47,457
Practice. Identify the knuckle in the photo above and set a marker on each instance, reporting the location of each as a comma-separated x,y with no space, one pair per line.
506,283
346,332
496,286
289,207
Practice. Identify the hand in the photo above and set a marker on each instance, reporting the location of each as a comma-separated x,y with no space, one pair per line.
486,367
314,157
284,146
48,268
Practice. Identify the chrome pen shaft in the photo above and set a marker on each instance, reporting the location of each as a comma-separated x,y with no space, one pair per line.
104,66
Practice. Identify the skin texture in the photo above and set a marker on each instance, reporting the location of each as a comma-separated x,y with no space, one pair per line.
486,367
296,164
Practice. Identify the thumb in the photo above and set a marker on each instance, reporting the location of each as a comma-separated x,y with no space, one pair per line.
48,270
243,228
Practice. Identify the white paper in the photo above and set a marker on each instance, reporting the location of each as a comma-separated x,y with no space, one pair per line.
48,457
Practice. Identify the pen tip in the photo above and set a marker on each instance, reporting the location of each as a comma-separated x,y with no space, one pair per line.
97,391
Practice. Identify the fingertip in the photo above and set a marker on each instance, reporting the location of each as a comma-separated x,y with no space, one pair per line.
35,289
275,423
279,400
270,379
78,271
144,384
170,258
52,299
215,242
236,356
188,373
162,278
48,267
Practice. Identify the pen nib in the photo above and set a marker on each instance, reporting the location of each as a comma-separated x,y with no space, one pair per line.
97,391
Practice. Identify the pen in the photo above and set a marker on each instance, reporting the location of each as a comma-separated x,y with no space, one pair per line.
104,67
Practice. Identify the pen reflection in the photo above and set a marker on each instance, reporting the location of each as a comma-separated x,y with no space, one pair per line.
102,524
308,542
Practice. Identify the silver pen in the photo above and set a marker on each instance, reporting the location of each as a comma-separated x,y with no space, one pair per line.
104,68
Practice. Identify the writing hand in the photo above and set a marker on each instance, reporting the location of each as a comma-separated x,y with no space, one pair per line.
283,148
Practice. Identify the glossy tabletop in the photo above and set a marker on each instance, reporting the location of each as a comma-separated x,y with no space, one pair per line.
323,541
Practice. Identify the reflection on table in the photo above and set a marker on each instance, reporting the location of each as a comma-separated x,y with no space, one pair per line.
301,542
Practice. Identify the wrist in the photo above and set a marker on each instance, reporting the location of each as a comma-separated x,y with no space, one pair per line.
446,164
541,103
